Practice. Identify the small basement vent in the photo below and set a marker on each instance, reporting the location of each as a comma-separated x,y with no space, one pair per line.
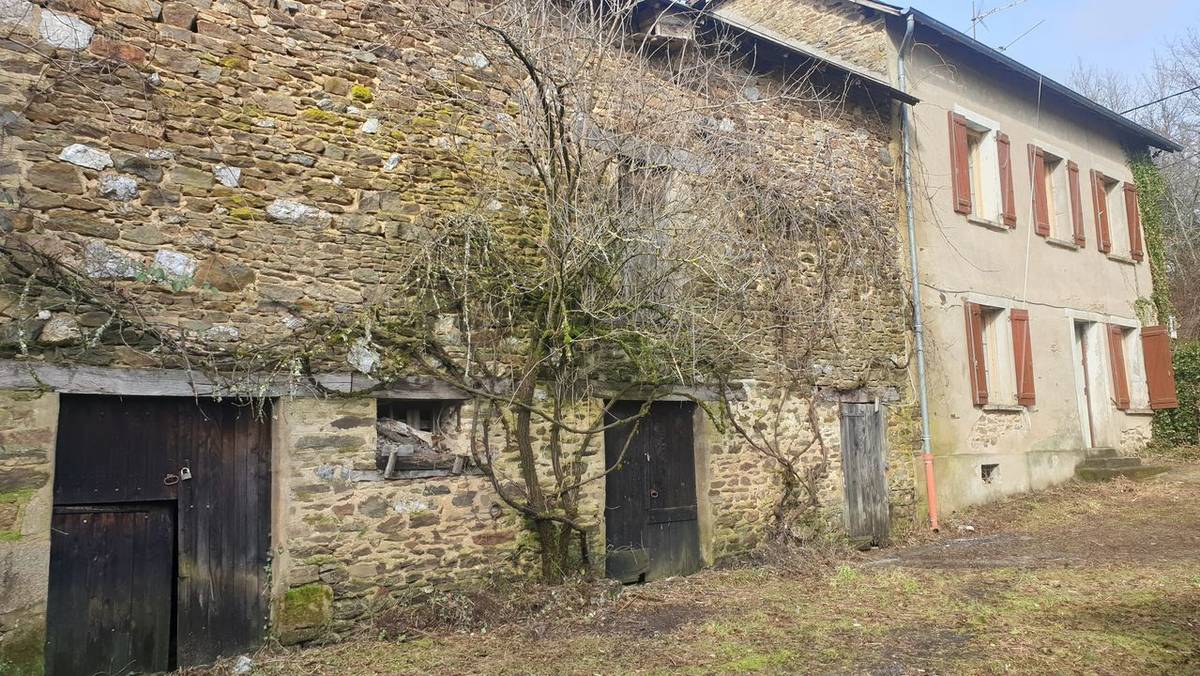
989,473
412,438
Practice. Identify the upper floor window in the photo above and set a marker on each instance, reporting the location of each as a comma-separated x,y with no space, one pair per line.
1057,208
981,170
1118,217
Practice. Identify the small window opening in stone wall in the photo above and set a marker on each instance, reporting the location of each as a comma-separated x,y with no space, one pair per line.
412,438
989,473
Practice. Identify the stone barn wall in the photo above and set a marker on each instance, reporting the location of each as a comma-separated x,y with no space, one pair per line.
245,169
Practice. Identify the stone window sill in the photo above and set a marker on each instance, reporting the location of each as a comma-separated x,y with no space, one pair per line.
988,223
1003,408
1062,243
1121,259
1139,411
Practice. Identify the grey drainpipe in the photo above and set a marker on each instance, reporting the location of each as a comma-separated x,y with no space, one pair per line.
918,325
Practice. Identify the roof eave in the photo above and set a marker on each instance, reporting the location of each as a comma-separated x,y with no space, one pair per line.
788,45
1152,138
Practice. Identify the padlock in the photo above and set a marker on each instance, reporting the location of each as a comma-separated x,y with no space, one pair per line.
185,473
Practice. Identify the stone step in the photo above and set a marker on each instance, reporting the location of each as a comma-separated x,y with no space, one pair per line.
1108,473
1111,463
1102,453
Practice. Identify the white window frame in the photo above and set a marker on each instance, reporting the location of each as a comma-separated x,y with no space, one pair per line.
987,199
1058,193
998,349
1118,218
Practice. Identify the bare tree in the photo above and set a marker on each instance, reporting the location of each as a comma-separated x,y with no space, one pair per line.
634,234
1167,100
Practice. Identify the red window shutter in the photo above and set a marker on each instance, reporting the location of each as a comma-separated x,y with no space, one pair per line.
1100,202
1023,357
976,359
1041,201
960,170
1004,150
1116,355
1133,216
1160,373
1076,204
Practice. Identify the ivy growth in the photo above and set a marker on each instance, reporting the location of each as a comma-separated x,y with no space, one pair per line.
1182,425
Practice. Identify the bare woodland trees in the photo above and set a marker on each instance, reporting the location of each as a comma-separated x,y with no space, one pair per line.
1176,69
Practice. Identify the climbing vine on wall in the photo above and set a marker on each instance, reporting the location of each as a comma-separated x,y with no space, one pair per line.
1152,197
1182,425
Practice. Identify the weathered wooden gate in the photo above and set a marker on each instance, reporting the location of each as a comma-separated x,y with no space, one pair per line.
651,524
161,534
864,468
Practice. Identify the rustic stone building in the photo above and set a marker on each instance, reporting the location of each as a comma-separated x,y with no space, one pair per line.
206,203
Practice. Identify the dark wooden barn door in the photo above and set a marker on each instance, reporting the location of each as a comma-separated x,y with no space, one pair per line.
174,480
864,467
650,504
127,549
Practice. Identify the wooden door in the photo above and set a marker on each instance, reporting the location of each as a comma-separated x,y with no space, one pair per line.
111,579
651,525
864,468
207,465
224,532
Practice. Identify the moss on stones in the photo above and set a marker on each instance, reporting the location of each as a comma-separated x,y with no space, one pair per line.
318,115
362,93
235,62
303,613
21,653
242,213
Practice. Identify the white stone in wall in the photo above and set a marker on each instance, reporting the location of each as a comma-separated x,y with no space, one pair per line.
65,31
222,333
371,126
118,187
86,156
103,262
230,177
160,154
392,162
16,11
362,357
474,60
176,264
295,213
60,330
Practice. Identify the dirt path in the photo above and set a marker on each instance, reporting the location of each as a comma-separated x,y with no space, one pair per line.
1097,579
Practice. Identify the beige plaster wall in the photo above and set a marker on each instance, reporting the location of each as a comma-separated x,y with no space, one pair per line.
963,261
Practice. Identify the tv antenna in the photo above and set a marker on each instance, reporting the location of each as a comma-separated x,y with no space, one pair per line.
979,14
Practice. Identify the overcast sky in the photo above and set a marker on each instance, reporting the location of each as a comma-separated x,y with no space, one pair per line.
1118,34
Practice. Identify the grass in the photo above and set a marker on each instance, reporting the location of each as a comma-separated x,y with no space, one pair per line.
1078,579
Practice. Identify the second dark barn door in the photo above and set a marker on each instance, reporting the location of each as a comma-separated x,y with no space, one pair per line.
143,481
650,504
864,467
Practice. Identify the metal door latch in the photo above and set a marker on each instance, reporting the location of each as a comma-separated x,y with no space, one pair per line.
185,473
653,492
170,479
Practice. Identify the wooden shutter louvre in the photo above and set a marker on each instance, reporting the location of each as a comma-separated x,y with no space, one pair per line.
1076,204
1116,355
1023,357
976,359
1007,199
1160,371
960,168
1100,204
1041,202
1133,216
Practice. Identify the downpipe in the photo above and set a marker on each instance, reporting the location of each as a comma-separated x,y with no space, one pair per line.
918,324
